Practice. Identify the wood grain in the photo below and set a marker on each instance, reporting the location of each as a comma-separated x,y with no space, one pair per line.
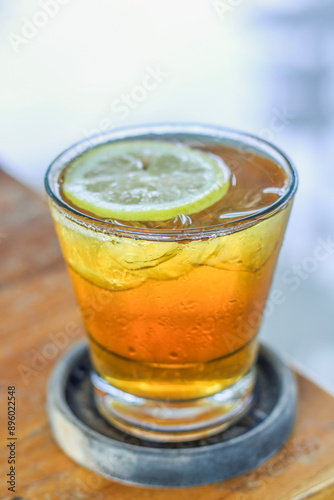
40,320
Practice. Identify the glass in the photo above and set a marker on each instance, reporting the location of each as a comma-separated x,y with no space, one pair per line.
172,315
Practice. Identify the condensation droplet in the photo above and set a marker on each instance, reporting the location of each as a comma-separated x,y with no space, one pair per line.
132,350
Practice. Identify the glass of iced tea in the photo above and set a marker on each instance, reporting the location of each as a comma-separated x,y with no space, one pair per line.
171,235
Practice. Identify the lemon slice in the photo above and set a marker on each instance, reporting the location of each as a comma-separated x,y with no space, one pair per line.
145,180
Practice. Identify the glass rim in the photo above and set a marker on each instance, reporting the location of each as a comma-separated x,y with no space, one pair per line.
249,142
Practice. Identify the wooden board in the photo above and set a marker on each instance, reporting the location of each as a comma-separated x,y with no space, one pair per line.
40,319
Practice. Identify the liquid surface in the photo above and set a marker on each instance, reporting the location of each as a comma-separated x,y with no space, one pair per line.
255,183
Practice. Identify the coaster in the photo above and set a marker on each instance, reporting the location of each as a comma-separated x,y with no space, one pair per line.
88,439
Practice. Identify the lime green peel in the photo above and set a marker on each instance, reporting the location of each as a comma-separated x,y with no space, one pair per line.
145,180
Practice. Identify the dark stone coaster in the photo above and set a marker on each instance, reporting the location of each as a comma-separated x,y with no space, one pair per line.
94,443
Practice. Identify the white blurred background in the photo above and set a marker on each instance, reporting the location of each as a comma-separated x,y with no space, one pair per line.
69,68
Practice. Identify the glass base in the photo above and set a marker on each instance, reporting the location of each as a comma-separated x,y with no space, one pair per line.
172,421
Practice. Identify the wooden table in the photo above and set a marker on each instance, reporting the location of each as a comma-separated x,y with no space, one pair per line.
40,319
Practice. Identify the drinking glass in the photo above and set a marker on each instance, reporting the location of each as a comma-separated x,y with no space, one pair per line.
172,314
